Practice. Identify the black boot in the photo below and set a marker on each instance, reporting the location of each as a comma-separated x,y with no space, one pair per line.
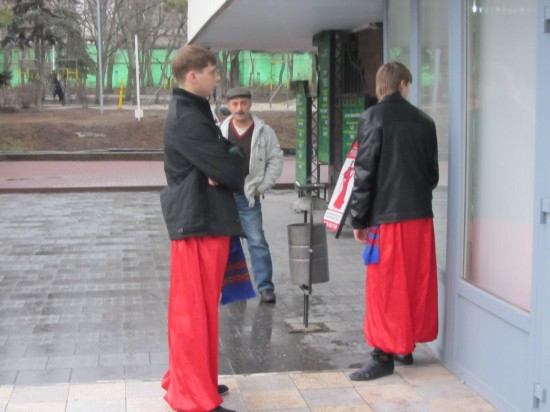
222,409
404,359
380,365
223,390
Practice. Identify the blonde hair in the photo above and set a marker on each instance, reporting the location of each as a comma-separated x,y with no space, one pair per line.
189,58
389,77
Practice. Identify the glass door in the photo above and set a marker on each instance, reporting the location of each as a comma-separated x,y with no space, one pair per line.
491,289
501,148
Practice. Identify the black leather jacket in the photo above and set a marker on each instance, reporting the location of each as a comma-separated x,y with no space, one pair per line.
396,167
195,150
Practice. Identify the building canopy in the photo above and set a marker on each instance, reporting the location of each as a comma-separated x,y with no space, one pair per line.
275,25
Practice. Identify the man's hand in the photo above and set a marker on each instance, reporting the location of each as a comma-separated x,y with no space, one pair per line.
361,235
212,182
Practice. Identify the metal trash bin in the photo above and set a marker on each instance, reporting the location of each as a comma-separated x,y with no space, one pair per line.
299,237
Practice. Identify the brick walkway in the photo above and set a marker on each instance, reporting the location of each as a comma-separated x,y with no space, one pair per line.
83,297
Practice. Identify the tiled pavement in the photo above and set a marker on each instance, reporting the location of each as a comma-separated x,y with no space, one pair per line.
83,288
427,388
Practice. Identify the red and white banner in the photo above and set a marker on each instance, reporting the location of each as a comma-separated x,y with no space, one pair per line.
342,193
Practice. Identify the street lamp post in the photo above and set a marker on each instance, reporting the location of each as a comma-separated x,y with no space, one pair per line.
99,62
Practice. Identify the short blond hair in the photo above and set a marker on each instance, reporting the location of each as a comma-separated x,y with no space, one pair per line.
191,57
389,77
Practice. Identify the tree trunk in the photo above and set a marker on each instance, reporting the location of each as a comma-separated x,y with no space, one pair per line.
129,88
40,93
148,66
131,71
223,72
282,71
110,68
290,59
164,81
7,61
160,85
235,71
251,77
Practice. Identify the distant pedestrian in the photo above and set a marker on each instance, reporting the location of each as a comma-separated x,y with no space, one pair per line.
396,170
264,166
202,171
58,90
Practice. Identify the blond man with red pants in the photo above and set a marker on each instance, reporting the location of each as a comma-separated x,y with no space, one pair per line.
202,171
396,170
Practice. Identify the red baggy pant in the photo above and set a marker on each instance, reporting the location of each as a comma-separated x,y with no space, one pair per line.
401,289
196,275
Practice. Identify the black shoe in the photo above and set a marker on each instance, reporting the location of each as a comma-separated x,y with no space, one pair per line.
268,296
372,370
223,390
380,365
222,409
404,359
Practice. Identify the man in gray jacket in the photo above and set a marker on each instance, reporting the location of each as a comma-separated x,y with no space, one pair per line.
265,164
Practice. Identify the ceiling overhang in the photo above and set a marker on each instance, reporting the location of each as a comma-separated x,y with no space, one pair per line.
276,25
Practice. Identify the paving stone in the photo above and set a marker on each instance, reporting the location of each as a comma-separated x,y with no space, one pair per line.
101,373
42,376
88,276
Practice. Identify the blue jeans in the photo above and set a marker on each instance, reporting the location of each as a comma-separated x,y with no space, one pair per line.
260,256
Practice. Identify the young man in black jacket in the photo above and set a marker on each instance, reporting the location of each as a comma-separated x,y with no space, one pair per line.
396,170
202,171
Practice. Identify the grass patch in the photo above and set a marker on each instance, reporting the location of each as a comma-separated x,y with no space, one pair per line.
12,145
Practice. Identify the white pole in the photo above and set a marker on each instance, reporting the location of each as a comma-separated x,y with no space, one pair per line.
99,62
139,112
53,58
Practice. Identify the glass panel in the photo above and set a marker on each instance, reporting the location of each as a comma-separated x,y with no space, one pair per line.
399,12
434,87
500,125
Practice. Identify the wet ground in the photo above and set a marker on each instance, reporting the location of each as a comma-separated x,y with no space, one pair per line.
83,298
84,285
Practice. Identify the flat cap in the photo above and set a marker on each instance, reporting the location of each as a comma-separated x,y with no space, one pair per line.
238,92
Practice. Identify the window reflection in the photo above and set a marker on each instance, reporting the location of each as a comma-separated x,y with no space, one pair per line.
500,126
399,13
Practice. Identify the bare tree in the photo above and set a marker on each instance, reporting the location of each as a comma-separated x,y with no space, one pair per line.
282,70
235,69
169,31
41,24
152,21
5,20
290,60
72,24
224,76
251,76
111,40
175,33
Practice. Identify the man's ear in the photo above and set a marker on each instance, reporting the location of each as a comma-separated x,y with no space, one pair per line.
191,76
